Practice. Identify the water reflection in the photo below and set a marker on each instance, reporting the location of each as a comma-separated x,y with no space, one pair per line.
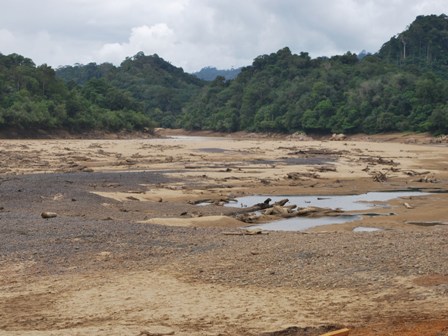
304,223
344,202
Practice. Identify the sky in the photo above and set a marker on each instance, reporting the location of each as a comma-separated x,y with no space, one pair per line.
193,34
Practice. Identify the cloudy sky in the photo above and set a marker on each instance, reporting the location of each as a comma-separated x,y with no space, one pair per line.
195,33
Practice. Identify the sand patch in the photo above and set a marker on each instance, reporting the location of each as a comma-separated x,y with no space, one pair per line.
138,303
206,221
158,195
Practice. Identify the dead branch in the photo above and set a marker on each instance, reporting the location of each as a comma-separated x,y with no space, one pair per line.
299,176
378,176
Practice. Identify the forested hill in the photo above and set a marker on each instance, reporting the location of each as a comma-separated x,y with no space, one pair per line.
160,88
32,98
424,43
403,87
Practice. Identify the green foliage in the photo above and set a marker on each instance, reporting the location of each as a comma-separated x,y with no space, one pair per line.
438,120
424,43
403,87
33,98
384,92
144,83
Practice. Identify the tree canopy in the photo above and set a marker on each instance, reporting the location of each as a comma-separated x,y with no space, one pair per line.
33,98
160,88
402,87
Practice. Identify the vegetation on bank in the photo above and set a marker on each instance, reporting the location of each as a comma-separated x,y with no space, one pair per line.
403,87
33,98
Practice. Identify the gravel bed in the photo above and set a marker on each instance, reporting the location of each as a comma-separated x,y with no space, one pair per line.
368,260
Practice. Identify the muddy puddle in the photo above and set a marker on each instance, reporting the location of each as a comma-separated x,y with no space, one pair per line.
368,201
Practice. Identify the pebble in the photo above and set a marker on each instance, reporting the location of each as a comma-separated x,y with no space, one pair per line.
47,214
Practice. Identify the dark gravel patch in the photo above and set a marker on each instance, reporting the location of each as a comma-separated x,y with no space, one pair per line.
85,228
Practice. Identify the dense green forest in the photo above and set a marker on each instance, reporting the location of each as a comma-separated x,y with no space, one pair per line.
159,89
33,98
402,87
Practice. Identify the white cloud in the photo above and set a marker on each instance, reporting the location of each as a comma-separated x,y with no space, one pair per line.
197,33
158,38
7,40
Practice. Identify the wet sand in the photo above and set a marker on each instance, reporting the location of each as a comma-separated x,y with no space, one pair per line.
128,254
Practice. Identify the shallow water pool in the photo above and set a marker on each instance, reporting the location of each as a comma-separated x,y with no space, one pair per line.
361,202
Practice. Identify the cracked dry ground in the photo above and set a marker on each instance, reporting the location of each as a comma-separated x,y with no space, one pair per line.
99,268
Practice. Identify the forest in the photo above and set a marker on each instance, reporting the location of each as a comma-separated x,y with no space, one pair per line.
34,98
403,87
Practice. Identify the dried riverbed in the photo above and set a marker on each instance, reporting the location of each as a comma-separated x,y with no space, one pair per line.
106,266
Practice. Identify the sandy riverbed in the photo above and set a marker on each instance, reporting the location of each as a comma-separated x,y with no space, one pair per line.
128,255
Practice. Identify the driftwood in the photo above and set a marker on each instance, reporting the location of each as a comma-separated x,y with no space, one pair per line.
427,223
132,191
194,214
317,212
370,214
338,137
290,207
216,201
322,169
440,139
379,160
427,179
415,173
287,212
254,208
278,210
299,176
225,168
248,232
282,202
248,217
313,151
378,176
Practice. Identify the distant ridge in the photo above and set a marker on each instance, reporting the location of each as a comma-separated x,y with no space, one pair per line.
210,73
